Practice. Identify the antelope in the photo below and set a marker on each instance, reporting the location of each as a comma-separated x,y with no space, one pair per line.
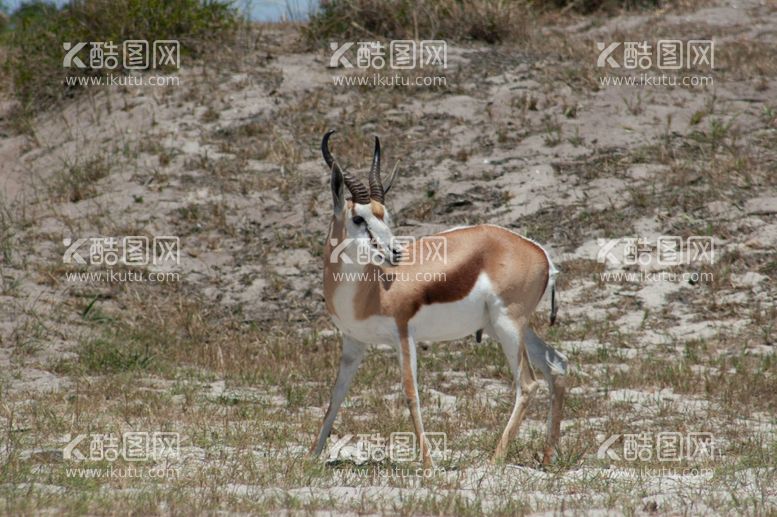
490,279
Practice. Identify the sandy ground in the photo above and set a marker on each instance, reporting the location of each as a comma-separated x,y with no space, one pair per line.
514,140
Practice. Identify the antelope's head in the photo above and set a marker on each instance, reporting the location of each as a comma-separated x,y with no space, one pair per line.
363,220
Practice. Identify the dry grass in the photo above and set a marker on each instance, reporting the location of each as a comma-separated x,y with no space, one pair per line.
34,42
78,180
486,20
154,362
490,21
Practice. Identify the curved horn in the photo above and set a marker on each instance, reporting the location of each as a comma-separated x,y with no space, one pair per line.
376,186
358,191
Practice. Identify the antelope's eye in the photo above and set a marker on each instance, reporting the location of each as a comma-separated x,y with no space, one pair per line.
358,220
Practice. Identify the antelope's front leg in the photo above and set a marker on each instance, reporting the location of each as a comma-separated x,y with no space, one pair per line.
353,353
408,366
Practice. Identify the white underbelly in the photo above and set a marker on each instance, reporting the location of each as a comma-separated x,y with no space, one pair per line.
375,330
454,320
444,322
434,322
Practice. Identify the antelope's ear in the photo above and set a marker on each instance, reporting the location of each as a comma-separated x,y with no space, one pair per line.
391,179
338,191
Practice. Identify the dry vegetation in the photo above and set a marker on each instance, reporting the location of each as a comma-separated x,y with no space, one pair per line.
238,355
37,30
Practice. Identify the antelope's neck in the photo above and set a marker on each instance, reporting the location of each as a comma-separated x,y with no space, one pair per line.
351,291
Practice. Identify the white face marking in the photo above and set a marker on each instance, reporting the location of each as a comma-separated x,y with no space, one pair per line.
372,234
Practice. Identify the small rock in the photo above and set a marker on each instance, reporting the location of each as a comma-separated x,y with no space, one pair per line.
43,455
721,208
643,171
217,388
764,238
749,279
761,206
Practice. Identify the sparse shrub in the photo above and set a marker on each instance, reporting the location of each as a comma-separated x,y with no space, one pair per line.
104,356
607,6
37,31
76,181
485,20
491,21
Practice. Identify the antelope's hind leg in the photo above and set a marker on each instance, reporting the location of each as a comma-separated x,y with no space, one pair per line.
511,336
553,366
351,358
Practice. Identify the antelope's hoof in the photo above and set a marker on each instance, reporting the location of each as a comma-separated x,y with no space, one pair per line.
498,458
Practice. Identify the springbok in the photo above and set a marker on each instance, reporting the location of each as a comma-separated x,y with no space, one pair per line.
489,278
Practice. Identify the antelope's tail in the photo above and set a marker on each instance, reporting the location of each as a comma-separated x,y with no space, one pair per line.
552,273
